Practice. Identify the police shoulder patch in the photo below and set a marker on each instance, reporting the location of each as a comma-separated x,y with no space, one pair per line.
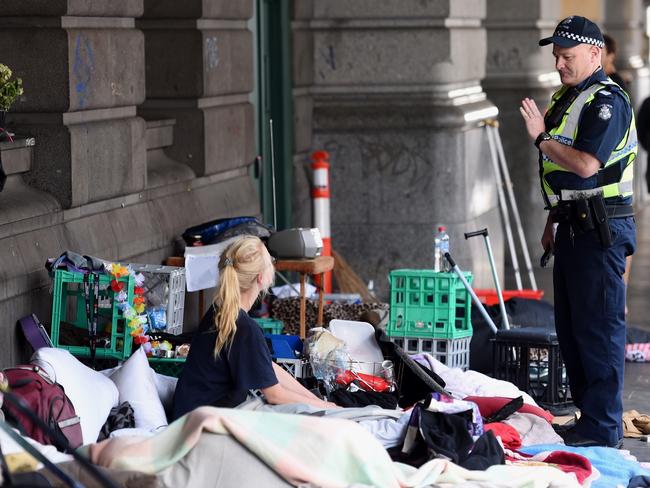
604,111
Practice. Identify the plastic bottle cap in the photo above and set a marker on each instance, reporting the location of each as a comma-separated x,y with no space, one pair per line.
441,228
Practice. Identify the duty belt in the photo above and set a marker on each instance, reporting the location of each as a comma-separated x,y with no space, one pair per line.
567,195
562,211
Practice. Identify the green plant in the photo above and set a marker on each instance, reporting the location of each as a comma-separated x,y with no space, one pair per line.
10,89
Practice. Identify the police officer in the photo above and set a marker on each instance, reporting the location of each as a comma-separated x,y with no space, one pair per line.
587,144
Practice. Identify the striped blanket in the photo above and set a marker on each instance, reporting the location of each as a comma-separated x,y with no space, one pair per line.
305,449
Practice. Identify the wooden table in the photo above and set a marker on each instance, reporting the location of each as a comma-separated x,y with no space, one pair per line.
313,267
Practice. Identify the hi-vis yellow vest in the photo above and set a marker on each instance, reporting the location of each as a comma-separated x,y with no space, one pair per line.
612,183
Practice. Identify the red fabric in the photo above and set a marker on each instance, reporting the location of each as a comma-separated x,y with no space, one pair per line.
488,406
509,435
569,462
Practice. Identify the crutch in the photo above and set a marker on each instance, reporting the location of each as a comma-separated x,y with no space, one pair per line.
502,203
477,302
494,126
495,276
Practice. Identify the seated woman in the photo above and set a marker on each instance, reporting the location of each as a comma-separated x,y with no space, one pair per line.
229,355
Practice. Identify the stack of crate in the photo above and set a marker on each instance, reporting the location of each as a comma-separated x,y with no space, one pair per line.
430,312
69,309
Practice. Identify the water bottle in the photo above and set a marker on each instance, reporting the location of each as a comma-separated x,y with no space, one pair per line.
440,247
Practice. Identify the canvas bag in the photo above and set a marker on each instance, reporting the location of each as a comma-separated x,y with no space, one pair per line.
47,399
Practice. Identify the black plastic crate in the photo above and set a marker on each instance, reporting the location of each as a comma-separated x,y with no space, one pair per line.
530,358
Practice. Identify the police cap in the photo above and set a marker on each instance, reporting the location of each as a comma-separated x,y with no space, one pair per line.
575,30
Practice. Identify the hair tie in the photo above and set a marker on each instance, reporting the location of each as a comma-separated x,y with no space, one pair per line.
227,262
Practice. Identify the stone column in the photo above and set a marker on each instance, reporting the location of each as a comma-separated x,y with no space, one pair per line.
199,71
518,67
397,101
624,21
303,76
80,97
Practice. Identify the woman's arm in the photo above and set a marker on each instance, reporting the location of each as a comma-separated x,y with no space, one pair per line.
288,390
290,383
279,395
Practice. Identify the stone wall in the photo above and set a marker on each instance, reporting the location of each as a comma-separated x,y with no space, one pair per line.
397,102
101,179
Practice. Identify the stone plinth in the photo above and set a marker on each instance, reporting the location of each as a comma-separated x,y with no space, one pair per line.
162,169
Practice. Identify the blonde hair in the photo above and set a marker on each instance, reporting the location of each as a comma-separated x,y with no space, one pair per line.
239,266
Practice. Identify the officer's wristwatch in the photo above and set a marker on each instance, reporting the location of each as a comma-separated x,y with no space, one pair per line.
543,136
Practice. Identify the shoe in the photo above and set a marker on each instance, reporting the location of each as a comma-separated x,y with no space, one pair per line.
569,424
559,428
573,438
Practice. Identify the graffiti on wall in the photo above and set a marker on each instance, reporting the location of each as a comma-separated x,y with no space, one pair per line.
212,53
83,68
407,160
509,59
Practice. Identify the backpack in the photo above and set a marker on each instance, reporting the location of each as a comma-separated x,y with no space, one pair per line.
47,399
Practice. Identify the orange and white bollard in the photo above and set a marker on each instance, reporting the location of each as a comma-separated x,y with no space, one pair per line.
320,194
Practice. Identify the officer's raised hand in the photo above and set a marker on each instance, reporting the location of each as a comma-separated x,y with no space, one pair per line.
532,117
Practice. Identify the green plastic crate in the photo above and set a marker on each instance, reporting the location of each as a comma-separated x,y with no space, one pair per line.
270,326
454,353
167,366
69,307
428,304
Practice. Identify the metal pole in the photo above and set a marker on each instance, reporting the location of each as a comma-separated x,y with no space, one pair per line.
513,205
275,216
495,276
477,302
502,306
502,206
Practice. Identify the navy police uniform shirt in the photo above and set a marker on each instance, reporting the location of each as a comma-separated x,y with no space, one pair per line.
224,382
602,125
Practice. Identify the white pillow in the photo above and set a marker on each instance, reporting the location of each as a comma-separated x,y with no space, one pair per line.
110,371
92,394
166,385
135,382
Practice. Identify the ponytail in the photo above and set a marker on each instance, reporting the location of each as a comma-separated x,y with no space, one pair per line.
227,300
240,265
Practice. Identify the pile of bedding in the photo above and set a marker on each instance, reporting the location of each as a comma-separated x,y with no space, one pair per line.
484,433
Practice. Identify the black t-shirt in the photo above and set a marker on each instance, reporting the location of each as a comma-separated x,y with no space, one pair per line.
223,382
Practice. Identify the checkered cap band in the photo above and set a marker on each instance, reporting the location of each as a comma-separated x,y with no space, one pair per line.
579,38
